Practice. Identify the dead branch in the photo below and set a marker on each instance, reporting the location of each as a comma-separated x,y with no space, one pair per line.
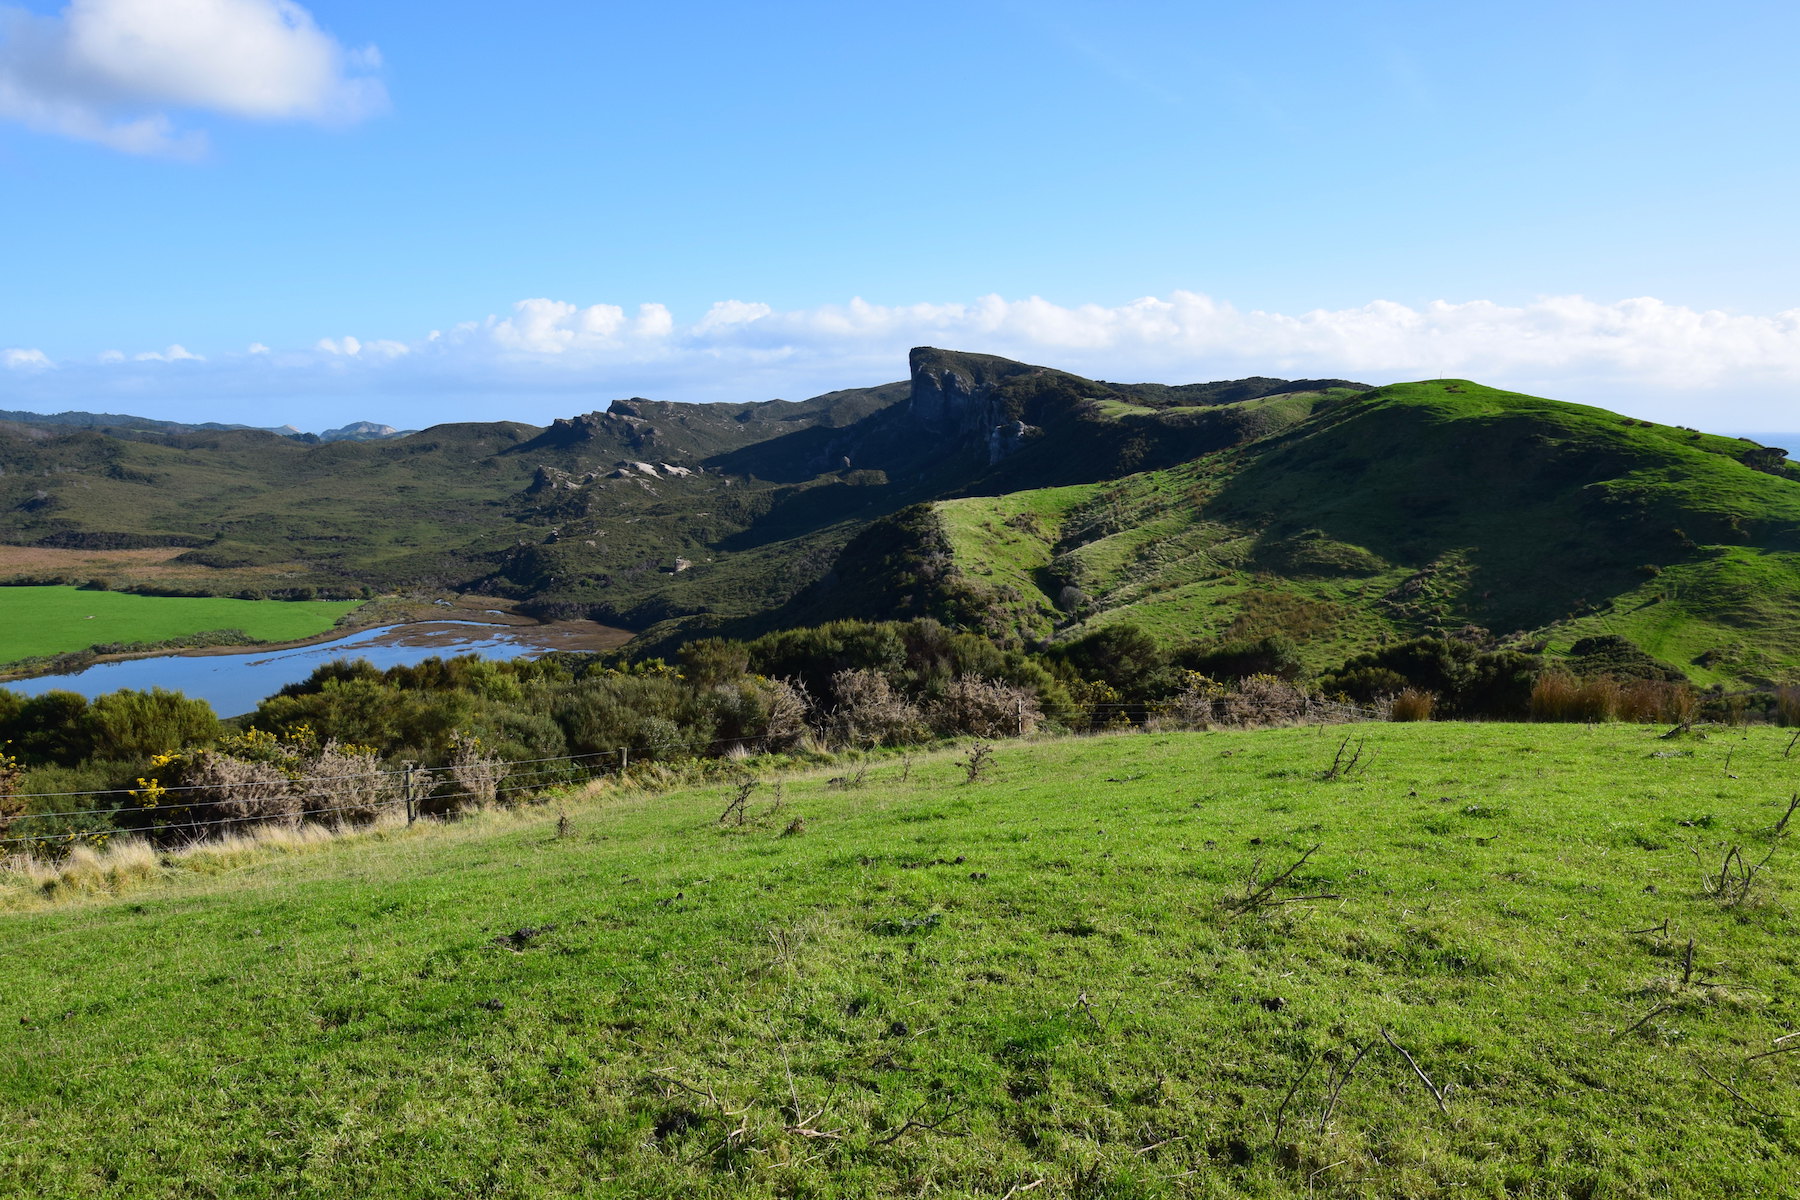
735,811
1773,1053
1662,929
1087,1006
1645,1019
913,1123
1780,827
1419,1071
1335,1082
1736,1095
1255,896
1281,1112
1340,767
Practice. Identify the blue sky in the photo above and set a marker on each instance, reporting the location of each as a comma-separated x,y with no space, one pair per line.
253,209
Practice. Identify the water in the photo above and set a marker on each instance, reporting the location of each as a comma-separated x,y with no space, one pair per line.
235,683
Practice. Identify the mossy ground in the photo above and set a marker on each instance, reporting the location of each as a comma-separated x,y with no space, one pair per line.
938,986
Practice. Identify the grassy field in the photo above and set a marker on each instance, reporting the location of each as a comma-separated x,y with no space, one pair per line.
925,985
54,620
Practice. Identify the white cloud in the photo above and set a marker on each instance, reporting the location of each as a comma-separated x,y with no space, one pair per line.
349,347
176,353
106,71
547,357
25,360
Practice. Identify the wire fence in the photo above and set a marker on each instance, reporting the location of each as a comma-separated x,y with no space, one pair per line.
409,788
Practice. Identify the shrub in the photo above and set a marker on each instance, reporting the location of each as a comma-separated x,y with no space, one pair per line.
985,708
133,724
870,712
1264,700
1193,707
1412,704
1557,696
1787,705
475,775
345,784
224,791
1649,700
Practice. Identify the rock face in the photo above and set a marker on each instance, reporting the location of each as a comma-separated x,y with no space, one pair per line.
621,423
956,396
358,431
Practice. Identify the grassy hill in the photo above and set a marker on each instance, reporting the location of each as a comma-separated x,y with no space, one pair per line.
1320,510
1412,509
1058,972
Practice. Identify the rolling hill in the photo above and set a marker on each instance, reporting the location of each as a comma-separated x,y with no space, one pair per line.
1023,501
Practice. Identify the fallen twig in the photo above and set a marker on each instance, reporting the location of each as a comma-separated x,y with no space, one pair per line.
1335,1083
1281,1112
1773,1053
1645,1019
913,1123
1255,896
1419,1071
1737,1095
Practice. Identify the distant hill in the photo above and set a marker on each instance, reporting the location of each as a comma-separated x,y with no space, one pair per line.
122,421
1020,500
357,431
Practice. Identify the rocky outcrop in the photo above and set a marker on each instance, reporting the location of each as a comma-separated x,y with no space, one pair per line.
959,396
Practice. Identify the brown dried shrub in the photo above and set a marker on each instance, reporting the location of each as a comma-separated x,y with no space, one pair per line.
985,708
871,713
226,792
345,785
1263,700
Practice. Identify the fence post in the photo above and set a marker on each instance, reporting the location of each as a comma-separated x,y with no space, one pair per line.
1021,707
624,759
411,808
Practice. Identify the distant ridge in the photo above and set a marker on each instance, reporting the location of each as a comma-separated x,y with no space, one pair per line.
356,431
996,496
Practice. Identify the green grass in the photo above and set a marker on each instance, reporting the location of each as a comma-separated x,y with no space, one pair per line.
55,620
1416,509
1037,971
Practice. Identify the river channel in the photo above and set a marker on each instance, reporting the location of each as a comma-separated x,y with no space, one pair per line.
234,683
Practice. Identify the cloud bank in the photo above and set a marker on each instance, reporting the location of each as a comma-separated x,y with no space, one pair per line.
109,71
547,357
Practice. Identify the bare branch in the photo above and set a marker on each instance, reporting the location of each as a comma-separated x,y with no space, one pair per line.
1419,1071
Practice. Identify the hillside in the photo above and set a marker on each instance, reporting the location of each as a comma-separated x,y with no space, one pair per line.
1411,509
923,984
1320,510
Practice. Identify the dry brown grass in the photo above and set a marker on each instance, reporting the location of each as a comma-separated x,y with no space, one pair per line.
42,560
1412,704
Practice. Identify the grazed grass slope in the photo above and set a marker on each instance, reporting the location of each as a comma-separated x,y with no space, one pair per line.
962,988
55,620
1417,508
